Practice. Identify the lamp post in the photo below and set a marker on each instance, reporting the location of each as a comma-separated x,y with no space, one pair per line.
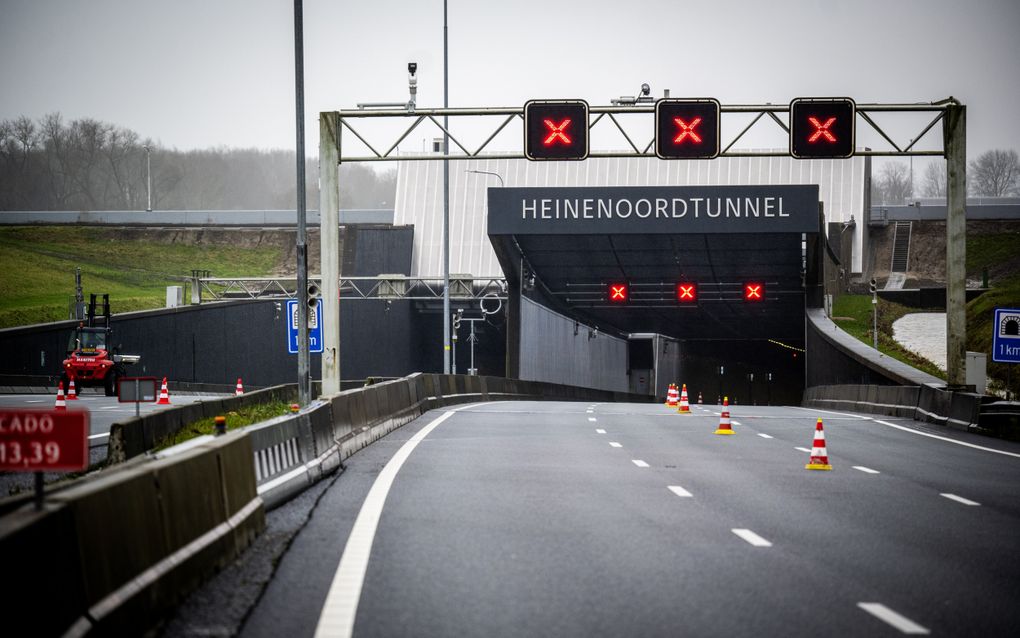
148,177
496,175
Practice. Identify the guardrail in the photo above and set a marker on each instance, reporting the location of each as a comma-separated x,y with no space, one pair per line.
111,552
929,403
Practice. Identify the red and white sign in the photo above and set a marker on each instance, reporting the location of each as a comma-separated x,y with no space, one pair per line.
43,440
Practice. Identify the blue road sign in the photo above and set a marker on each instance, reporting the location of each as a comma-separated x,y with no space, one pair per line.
314,327
1006,335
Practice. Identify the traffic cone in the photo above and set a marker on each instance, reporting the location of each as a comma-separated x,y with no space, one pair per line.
671,396
164,394
700,400
685,407
724,418
239,390
71,394
60,404
819,456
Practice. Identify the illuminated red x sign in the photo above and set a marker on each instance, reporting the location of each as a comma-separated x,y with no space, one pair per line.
686,292
618,293
822,130
754,292
687,130
557,132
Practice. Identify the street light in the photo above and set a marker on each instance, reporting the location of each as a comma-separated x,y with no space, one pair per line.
148,178
496,175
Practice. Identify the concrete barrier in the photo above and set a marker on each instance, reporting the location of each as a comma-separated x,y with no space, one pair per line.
927,402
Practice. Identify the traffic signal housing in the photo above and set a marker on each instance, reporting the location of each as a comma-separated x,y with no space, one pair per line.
618,292
822,128
556,130
687,128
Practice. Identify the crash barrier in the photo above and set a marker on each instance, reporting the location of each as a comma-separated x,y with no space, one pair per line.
110,552
292,452
928,402
137,435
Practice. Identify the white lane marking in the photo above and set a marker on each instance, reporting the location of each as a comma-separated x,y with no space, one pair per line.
735,422
679,491
99,436
912,431
803,449
35,401
866,470
341,606
639,463
883,613
599,431
764,436
751,537
592,419
110,407
615,444
960,499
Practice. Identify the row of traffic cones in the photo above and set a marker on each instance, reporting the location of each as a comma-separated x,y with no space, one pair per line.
819,459
164,394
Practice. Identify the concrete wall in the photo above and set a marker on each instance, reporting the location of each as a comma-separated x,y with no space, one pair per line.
550,351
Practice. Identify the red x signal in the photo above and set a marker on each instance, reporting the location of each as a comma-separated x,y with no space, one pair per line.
618,293
754,292
822,130
557,132
686,293
687,130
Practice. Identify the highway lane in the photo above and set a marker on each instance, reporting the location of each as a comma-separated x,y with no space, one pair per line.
621,519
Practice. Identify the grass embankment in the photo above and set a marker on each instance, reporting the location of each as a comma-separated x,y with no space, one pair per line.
235,419
38,265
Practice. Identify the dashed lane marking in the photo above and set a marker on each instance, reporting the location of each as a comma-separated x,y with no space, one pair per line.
866,470
639,463
960,499
35,401
735,422
679,491
751,537
803,449
615,444
886,615
764,436
592,419
599,431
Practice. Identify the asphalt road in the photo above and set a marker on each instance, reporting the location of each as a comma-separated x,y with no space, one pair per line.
540,519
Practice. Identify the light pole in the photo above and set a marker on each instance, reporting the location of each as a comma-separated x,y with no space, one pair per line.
496,175
148,177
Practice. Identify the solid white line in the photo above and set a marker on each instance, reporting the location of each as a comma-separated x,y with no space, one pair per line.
883,613
960,499
615,444
341,606
592,419
803,449
599,431
679,491
866,470
751,537
764,436
639,463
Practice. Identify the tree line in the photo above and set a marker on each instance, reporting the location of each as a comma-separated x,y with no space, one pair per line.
995,173
86,164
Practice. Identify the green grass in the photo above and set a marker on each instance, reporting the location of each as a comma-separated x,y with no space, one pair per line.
989,251
38,265
852,313
238,419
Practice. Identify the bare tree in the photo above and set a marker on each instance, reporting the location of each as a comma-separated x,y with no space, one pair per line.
934,184
892,185
995,173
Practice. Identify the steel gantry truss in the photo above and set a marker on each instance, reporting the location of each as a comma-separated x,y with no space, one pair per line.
340,139
387,287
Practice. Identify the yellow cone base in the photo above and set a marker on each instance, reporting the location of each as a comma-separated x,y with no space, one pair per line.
815,466
721,431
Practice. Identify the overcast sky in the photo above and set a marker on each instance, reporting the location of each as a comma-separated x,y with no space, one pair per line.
205,73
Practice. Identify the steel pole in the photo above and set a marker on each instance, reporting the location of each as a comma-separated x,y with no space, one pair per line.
446,201
148,178
304,378
955,131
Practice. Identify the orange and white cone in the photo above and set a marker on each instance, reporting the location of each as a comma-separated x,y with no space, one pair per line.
724,418
71,394
164,394
60,404
685,406
701,401
239,389
671,396
819,455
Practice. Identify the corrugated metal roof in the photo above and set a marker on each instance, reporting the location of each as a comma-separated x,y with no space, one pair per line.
419,199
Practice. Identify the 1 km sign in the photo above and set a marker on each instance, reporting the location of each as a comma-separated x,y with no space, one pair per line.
43,441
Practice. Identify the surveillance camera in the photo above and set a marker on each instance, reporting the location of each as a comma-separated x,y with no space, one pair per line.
645,89
412,67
